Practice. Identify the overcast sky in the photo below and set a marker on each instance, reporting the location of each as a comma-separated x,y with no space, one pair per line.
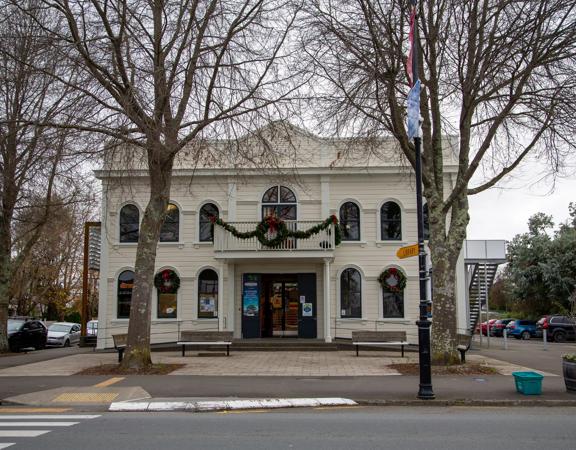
502,213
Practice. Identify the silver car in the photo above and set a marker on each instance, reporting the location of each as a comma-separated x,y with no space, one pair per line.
63,334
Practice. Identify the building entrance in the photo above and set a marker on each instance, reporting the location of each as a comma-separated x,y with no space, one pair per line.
280,306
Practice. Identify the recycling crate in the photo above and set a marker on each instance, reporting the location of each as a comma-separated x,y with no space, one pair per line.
528,383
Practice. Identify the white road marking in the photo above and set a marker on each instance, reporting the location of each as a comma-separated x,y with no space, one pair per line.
47,416
22,433
6,444
37,424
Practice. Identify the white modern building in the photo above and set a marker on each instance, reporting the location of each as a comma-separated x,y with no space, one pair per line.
209,278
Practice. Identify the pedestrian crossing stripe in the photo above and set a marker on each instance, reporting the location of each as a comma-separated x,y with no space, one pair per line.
18,425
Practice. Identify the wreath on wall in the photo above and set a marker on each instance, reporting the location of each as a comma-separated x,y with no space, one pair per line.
167,282
273,224
392,280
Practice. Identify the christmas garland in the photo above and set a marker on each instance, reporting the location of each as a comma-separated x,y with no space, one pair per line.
167,282
392,280
275,225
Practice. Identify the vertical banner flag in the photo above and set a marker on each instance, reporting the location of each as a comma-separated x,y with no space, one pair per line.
409,62
414,111
414,94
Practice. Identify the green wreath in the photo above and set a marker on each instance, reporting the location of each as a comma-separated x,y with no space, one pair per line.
167,282
392,280
274,224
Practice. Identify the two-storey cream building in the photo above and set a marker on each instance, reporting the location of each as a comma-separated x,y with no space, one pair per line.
211,279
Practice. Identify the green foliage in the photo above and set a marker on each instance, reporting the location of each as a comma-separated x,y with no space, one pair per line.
282,232
569,357
541,273
73,316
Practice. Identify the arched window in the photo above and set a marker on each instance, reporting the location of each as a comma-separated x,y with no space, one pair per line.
124,294
129,223
208,294
170,230
350,221
351,294
206,227
390,222
426,217
168,294
281,202
393,304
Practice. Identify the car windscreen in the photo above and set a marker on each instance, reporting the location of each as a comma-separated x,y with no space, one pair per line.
14,325
59,328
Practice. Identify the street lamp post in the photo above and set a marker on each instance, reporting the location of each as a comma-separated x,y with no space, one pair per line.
425,391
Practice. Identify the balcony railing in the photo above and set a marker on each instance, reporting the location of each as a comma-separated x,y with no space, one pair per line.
225,241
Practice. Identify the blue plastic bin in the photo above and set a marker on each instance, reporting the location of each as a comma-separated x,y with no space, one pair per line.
528,383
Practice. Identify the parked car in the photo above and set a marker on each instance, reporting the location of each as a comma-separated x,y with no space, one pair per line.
484,326
63,334
558,328
497,328
26,333
522,329
92,328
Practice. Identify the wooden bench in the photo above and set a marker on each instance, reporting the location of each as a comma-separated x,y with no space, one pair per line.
464,342
120,342
212,338
379,338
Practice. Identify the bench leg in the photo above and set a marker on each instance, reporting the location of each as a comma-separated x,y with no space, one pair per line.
356,350
462,356
120,355
183,350
227,350
402,351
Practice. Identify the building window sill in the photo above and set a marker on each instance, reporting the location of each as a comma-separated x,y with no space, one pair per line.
390,243
403,321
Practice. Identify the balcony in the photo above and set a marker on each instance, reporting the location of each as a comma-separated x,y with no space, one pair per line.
227,246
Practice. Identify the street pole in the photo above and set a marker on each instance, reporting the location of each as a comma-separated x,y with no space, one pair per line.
425,391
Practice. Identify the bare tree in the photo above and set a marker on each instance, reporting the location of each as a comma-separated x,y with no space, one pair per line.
498,73
167,74
35,160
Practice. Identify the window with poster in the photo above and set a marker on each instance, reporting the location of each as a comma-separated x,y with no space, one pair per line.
208,294
167,284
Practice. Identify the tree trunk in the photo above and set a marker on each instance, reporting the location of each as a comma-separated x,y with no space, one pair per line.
4,284
445,247
138,347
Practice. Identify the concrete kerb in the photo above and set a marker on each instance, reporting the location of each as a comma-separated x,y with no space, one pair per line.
228,405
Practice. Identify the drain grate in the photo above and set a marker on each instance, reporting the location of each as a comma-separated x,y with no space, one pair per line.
85,397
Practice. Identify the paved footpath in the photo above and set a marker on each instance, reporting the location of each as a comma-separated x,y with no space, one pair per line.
249,375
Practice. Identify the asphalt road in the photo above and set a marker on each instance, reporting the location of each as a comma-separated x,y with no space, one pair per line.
351,428
527,353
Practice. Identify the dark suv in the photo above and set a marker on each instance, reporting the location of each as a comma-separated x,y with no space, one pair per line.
25,333
558,328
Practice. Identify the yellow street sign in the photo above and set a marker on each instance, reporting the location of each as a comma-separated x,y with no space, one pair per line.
408,251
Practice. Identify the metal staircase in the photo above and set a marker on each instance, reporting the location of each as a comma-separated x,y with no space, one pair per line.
481,280
482,259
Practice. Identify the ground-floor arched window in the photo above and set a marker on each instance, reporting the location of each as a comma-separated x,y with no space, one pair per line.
208,294
124,294
351,294
167,284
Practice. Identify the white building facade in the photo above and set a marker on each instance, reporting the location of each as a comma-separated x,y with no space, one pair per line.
310,288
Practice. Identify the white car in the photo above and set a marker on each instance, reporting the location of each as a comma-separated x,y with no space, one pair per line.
63,334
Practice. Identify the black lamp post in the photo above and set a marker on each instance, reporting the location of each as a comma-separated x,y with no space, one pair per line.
425,391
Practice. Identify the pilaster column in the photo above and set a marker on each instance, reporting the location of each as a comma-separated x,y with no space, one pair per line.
327,302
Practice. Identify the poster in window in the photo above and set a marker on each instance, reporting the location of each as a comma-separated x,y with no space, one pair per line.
251,299
166,306
207,305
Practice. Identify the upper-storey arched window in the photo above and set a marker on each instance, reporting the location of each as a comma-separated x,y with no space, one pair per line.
390,222
170,230
129,223
205,225
281,202
350,221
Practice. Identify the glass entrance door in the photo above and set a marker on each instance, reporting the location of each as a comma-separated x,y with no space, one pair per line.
283,307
